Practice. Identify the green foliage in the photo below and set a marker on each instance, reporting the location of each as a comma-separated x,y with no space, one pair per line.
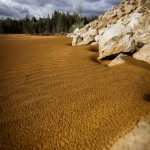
76,25
58,23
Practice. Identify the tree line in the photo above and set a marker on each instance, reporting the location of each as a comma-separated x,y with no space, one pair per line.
58,23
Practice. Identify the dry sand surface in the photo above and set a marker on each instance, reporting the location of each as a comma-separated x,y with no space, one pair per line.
55,96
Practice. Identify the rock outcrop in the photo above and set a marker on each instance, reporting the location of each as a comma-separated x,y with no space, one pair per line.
125,28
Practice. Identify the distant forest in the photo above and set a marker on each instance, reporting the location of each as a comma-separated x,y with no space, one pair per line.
60,23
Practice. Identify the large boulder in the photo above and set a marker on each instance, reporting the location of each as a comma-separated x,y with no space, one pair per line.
116,39
90,32
143,54
84,36
76,39
87,40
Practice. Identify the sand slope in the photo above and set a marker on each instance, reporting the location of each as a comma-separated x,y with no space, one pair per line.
55,96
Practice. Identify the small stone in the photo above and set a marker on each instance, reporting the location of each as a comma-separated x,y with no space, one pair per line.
118,60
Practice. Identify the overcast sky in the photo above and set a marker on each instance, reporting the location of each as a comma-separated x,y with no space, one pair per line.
41,8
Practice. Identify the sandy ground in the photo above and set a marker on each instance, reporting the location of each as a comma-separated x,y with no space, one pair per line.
55,96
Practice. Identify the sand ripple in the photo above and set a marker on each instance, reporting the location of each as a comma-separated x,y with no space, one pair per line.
54,96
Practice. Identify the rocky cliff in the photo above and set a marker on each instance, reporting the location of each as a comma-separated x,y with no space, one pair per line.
123,29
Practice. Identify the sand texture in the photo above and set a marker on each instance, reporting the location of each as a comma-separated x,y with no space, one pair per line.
55,96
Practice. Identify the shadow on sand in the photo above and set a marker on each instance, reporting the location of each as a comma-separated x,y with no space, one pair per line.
94,58
68,44
137,63
93,48
147,97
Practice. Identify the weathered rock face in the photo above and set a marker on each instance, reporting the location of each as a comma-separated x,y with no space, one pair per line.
142,33
134,20
116,39
125,28
142,37
143,54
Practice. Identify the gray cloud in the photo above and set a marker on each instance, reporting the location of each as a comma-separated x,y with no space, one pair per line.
89,12
93,0
14,12
114,2
42,8
41,3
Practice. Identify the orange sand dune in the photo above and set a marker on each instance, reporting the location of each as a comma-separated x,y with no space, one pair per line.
55,96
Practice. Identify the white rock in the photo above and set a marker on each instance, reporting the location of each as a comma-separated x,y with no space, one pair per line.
76,31
92,32
129,8
102,31
141,1
85,34
127,43
70,35
116,39
115,30
97,38
142,36
118,60
115,12
134,20
83,30
87,26
143,54
87,40
76,39
94,43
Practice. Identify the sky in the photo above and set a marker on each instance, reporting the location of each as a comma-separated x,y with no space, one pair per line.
42,8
